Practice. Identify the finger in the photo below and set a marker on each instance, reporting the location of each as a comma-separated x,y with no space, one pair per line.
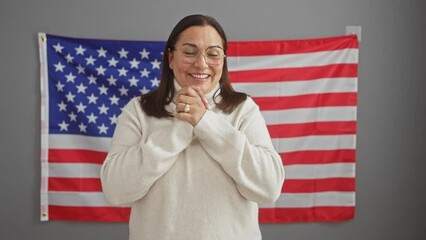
202,96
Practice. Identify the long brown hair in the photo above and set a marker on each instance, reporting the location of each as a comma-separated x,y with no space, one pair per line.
154,103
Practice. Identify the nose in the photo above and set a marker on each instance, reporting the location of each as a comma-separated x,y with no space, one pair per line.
201,61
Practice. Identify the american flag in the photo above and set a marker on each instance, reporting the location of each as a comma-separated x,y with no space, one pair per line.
306,90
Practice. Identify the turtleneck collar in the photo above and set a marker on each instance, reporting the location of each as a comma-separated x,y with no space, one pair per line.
209,96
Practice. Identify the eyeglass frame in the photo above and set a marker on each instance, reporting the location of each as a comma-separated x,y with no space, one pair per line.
197,56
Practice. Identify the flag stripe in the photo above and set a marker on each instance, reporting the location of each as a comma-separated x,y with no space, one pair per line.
75,184
311,129
319,185
318,157
313,214
302,171
76,156
97,199
308,115
82,213
253,48
295,74
307,101
286,89
309,143
242,63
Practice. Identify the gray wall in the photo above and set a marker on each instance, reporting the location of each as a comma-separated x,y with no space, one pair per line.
391,116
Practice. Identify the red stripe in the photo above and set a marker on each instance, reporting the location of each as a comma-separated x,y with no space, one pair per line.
257,48
306,101
106,214
314,214
75,184
295,74
76,156
319,157
312,129
318,185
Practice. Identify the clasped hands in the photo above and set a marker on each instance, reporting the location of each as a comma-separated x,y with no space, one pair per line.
191,104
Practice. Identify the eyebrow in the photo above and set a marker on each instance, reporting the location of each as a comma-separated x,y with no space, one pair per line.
195,46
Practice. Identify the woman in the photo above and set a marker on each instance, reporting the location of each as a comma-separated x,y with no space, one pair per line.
193,158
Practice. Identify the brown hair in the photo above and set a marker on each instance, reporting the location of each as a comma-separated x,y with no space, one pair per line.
154,103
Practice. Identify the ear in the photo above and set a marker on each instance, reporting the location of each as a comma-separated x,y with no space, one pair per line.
170,56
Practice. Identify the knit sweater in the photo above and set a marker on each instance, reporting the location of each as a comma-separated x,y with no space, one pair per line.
184,182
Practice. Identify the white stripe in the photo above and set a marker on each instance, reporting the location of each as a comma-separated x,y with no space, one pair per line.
75,170
79,199
287,200
305,171
307,115
295,88
293,60
71,141
320,171
319,199
329,142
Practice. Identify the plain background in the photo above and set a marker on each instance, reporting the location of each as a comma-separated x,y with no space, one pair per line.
391,115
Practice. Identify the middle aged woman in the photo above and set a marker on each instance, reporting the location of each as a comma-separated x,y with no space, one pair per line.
194,157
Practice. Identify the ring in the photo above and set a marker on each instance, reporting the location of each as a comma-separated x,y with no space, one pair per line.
186,108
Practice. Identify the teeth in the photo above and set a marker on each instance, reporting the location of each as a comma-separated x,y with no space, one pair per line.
200,75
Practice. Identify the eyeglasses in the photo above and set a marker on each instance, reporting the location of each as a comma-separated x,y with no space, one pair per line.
213,55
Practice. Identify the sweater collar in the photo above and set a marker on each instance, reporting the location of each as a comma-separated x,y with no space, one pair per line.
209,96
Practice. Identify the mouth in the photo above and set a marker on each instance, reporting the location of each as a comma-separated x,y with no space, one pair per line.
200,76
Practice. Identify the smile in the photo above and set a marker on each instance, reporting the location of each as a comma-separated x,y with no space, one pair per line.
200,75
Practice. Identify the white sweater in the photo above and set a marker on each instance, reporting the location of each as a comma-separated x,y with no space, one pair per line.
185,182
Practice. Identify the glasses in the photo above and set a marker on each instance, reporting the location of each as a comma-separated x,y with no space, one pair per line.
213,55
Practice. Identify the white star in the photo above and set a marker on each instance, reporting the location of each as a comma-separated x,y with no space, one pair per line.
82,127
59,67
144,54
123,91
62,106
144,90
70,77
122,72
69,58
133,81
92,118
155,82
103,109
103,90
70,97
80,107
60,87
80,69
101,70
90,60
113,119
112,62
63,125
155,64
102,52
73,117
58,48
123,53
145,73
112,80
114,100
134,63
92,98
81,88
92,79
80,50
103,129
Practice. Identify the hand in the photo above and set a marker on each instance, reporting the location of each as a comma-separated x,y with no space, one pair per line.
194,98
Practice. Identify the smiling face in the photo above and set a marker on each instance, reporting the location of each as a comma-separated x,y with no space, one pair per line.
188,59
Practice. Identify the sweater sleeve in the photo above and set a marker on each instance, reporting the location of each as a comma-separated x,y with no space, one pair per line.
135,162
245,152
